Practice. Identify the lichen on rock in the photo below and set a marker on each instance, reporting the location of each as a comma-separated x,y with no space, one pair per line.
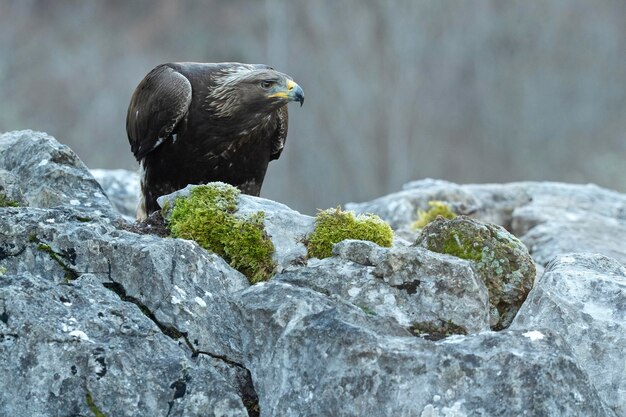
502,261
207,217
335,225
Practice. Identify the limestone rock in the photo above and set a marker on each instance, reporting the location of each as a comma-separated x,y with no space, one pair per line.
414,287
121,187
500,259
311,356
72,349
549,218
583,298
183,286
94,316
51,174
10,191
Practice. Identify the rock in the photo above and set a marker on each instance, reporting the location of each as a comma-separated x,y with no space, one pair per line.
414,287
565,218
501,260
549,218
74,349
10,191
121,186
50,174
179,332
312,356
583,298
184,287
400,209
286,228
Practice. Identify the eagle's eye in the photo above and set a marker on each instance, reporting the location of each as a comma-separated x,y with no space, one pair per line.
267,84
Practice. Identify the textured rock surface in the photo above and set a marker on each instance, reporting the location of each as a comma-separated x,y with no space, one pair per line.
122,188
50,174
183,286
500,259
415,287
94,316
66,346
583,298
549,218
313,357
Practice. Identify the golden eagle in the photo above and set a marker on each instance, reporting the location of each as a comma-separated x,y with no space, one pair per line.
192,123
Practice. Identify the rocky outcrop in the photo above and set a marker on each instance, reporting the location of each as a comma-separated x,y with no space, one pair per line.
96,319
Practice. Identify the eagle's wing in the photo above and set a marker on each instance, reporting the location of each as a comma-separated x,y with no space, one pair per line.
158,104
280,135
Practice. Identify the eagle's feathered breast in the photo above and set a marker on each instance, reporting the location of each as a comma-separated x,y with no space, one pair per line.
192,123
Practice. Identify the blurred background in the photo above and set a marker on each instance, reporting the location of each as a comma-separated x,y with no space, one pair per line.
466,90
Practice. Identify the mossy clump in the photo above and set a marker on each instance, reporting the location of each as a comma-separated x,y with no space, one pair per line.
207,216
7,202
500,259
437,208
334,225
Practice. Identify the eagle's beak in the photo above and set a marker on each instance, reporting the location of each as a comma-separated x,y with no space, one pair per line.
292,92
295,92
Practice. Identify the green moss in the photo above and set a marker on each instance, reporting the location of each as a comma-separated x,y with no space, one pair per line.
462,246
367,310
437,208
7,202
334,225
3,270
92,406
207,216
70,273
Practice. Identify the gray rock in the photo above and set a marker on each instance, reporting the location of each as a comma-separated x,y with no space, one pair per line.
178,331
500,259
183,286
286,228
71,349
10,191
50,174
414,287
310,356
549,218
400,209
583,298
121,186
565,218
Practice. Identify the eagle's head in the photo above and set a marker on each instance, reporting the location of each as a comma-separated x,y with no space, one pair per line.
252,89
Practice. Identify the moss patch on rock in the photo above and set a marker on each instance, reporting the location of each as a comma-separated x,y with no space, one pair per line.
92,405
7,202
501,260
437,208
334,225
207,216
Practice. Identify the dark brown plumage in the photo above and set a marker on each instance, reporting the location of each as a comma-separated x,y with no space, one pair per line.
192,123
